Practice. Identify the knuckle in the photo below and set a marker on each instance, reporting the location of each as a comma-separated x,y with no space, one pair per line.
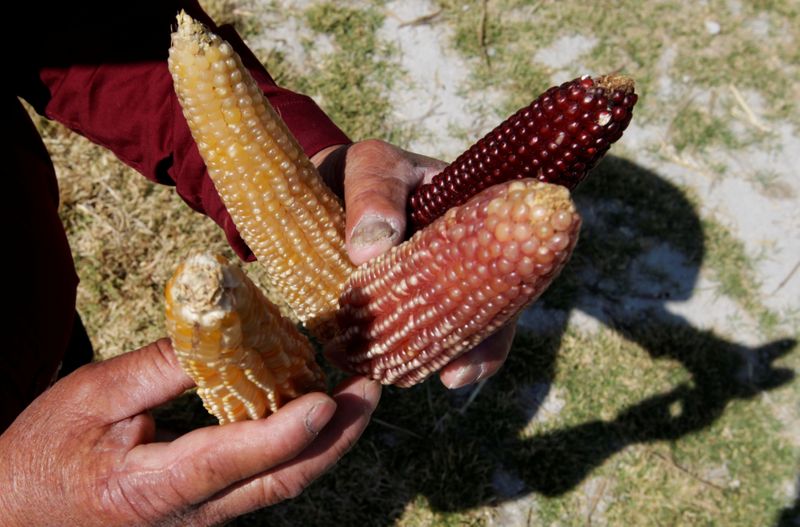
278,487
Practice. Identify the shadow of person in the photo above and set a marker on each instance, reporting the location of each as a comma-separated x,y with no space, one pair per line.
790,516
641,246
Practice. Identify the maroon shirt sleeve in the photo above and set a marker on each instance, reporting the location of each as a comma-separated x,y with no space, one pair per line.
129,106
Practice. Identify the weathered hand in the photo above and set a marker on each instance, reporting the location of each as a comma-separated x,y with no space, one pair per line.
375,179
83,452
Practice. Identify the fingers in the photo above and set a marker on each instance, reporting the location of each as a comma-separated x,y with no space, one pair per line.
378,180
482,361
356,399
128,384
209,460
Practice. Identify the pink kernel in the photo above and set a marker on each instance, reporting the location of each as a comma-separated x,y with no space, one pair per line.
467,247
561,220
484,255
505,265
457,232
498,285
525,266
530,246
511,251
522,232
542,269
503,231
455,293
544,255
491,222
519,212
558,242
485,238
543,231
495,249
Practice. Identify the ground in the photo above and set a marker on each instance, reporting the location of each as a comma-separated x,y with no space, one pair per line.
656,382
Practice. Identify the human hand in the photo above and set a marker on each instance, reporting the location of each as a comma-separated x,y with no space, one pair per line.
375,178
83,453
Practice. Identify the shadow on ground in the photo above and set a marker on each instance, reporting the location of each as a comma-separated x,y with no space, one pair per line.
790,516
421,446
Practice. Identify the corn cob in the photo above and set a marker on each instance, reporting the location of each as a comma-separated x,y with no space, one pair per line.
245,358
409,312
292,222
556,139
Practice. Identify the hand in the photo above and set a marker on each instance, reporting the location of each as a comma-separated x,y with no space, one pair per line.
83,452
376,179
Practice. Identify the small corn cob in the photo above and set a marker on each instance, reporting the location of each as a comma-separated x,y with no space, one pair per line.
409,312
292,222
556,139
246,359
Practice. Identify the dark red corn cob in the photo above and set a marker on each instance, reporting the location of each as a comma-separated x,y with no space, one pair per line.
410,311
556,139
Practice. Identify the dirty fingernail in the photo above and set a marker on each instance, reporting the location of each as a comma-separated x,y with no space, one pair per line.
371,230
466,375
319,415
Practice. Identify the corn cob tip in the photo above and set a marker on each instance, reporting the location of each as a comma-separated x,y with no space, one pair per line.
245,358
199,285
616,82
190,30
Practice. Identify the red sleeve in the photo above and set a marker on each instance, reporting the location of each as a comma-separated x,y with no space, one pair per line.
130,107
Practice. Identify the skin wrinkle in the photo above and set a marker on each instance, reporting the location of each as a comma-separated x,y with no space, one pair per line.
134,503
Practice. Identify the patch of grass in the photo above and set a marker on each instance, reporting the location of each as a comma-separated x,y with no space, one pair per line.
237,13
126,236
733,271
696,130
664,46
352,82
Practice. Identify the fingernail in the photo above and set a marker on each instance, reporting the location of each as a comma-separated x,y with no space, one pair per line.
372,392
319,415
466,375
371,230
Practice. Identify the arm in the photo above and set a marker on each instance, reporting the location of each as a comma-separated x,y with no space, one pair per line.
107,79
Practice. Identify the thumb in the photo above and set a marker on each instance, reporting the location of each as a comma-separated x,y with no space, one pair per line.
130,383
378,179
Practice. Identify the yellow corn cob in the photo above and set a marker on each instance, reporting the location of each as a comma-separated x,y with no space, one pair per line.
246,359
292,222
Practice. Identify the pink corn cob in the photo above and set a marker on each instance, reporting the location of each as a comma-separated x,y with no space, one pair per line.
409,312
556,139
